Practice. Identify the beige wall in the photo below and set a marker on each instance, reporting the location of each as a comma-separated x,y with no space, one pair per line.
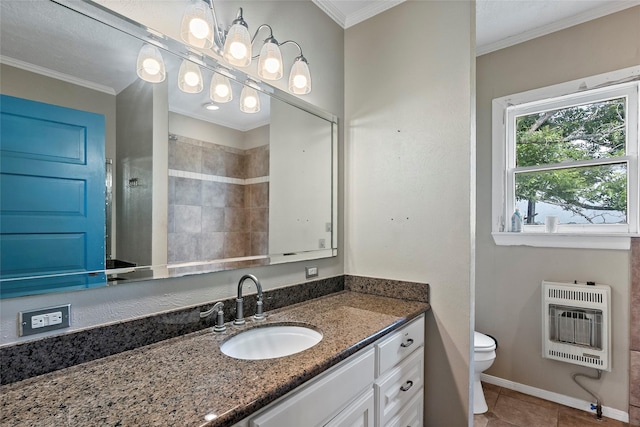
508,279
111,304
409,184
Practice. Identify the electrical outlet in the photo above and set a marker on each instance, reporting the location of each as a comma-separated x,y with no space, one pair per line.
311,272
43,320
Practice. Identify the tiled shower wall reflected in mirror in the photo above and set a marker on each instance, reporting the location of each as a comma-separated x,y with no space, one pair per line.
218,202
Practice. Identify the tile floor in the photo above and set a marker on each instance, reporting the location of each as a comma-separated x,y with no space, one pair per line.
508,408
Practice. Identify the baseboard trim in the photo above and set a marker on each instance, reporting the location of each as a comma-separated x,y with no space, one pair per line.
571,402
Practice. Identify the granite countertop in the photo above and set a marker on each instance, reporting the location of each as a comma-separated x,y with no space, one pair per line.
181,380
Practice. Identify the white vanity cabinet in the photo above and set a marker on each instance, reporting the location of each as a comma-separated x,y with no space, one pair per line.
379,386
400,376
319,402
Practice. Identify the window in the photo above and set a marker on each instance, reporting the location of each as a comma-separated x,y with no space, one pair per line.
568,154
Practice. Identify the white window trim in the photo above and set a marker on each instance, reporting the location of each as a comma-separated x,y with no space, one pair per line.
603,237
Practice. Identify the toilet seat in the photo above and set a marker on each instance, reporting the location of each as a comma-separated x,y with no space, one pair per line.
482,342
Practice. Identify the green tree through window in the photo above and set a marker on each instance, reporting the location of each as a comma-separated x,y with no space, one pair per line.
551,150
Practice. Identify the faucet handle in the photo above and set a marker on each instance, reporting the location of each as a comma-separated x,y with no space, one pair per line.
217,308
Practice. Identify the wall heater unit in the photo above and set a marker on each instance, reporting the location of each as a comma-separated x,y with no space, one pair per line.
577,324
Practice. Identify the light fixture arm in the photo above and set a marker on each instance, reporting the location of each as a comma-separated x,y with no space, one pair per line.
253,39
293,42
217,32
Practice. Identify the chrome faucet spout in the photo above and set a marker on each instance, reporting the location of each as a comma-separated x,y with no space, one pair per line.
240,301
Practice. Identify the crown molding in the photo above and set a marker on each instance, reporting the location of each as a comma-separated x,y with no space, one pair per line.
561,24
332,10
56,75
371,10
345,21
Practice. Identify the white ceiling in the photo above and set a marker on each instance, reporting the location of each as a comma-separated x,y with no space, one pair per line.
71,50
499,23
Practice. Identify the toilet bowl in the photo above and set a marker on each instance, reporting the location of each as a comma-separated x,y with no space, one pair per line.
484,353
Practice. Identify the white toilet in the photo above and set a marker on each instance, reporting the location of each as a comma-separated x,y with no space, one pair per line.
483,356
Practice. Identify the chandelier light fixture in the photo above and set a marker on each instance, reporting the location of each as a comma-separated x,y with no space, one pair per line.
199,28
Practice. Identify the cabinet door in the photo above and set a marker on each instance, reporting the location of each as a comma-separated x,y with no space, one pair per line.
313,404
358,414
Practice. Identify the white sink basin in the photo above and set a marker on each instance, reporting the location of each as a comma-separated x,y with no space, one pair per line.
269,342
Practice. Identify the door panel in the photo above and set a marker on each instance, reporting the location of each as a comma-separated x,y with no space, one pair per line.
52,188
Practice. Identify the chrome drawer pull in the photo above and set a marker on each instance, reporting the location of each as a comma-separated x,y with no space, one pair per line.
407,343
407,387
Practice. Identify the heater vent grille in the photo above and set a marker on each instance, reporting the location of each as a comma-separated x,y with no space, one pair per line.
576,324
572,295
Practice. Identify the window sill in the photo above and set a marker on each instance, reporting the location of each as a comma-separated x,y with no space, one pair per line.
564,240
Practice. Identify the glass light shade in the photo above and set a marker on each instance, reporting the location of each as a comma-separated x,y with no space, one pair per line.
189,77
220,89
270,61
197,25
237,46
249,100
300,78
150,65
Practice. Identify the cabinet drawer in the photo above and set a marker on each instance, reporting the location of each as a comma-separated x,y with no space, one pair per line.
399,345
313,404
396,388
411,415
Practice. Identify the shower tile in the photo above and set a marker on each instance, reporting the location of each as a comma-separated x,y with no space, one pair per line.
212,219
170,220
259,220
183,247
213,160
235,219
259,195
236,244
212,246
185,157
188,191
259,243
188,219
235,165
258,162
634,378
524,413
235,196
213,194
171,190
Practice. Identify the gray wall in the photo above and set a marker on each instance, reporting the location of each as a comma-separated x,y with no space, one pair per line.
410,192
508,279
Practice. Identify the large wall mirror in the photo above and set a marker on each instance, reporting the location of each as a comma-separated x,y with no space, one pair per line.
106,178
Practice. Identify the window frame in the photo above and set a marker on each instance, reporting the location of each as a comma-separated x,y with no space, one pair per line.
618,84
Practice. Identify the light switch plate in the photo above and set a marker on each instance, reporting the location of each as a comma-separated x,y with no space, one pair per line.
44,319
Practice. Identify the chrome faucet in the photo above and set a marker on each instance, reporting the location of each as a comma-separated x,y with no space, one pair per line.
239,301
